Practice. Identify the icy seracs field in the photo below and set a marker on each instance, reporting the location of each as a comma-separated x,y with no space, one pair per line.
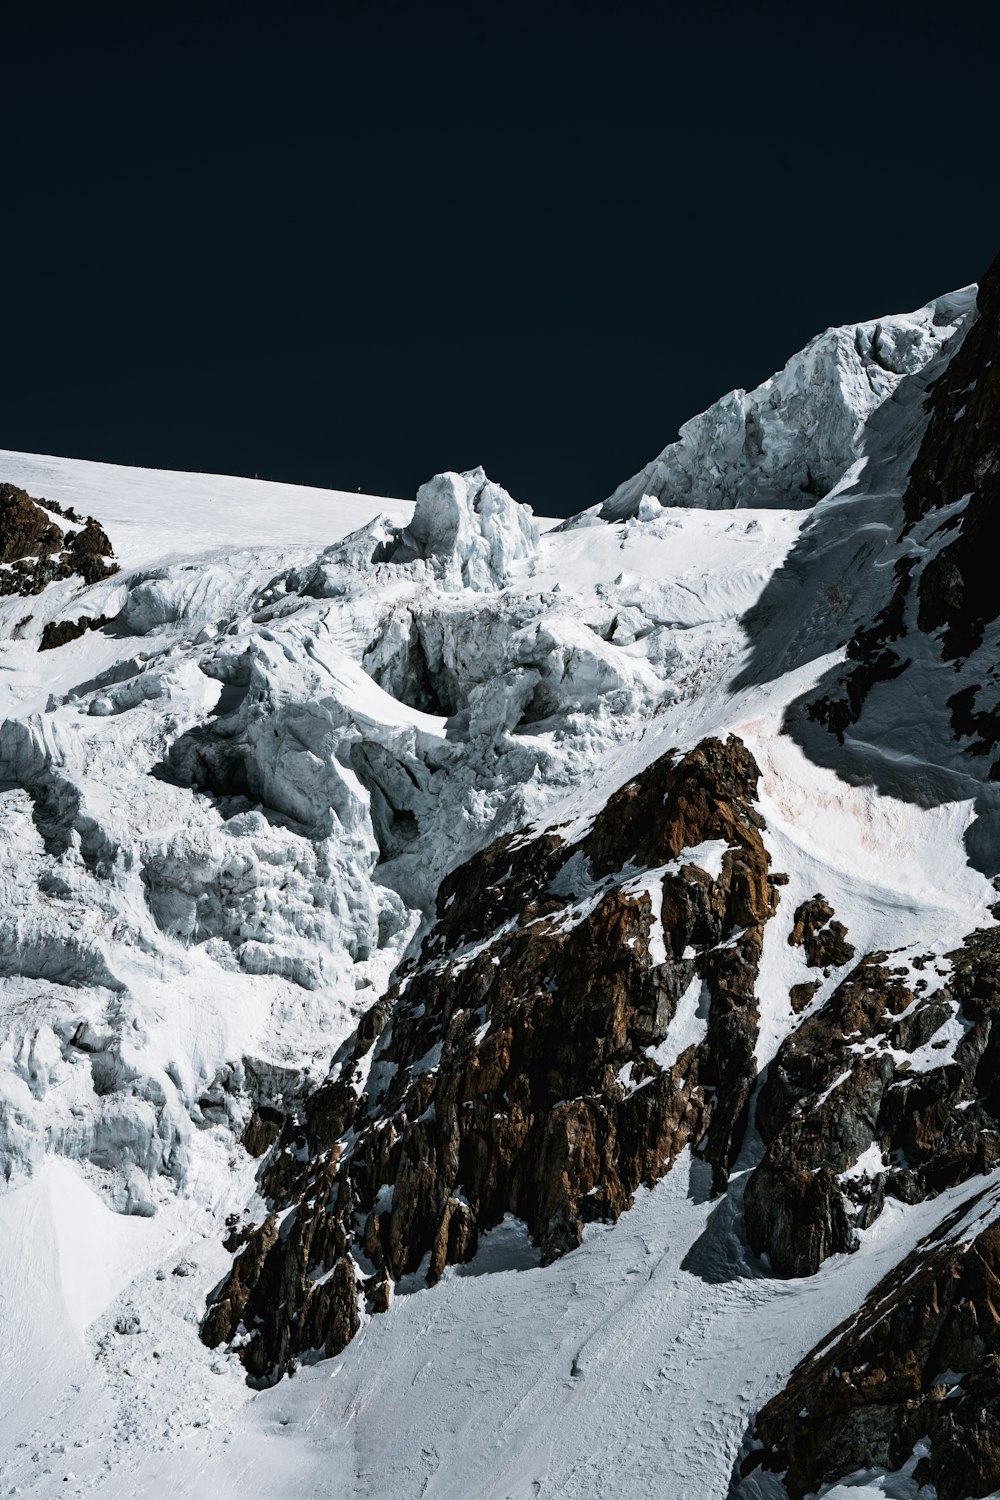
224,820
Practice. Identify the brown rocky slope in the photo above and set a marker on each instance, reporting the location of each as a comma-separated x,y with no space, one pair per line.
36,551
518,1065
916,1371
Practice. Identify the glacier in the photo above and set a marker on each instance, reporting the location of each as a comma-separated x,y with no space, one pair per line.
792,440
225,817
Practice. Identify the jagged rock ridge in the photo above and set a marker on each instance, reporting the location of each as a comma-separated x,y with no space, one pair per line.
915,1372
934,641
888,1089
36,551
579,1013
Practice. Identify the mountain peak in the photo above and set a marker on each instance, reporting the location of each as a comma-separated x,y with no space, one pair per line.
792,439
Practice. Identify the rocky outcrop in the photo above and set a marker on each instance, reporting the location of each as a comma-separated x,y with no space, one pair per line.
889,1089
801,994
36,551
823,939
919,1364
26,530
959,466
579,1013
60,632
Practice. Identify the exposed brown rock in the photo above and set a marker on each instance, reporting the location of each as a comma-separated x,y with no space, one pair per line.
25,528
801,994
35,551
823,938
262,1130
509,1070
60,632
921,1361
844,1081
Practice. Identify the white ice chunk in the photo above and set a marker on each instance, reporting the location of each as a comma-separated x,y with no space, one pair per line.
474,528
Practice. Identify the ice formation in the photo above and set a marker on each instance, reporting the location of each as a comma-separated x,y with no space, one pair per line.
226,811
790,441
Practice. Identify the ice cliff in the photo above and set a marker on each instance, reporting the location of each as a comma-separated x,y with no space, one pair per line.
790,441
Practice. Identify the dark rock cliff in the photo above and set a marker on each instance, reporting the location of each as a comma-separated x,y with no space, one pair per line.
918,1365
35,551
518,1066
945,578
896,1067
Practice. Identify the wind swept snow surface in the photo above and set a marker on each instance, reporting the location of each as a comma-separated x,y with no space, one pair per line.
637,1360
225,814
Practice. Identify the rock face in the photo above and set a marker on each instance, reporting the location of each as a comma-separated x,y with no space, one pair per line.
959,462
888,1090
36,551
823,939
60,632
579,1013
824,942
944,602
918,1365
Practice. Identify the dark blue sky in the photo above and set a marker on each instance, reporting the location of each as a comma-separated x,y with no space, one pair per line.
352,244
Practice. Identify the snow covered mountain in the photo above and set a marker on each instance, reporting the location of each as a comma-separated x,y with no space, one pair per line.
791,441
484,1003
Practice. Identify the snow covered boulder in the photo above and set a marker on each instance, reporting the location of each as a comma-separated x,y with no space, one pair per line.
473,528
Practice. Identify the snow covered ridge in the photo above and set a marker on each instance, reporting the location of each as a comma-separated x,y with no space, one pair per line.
235,809
790,441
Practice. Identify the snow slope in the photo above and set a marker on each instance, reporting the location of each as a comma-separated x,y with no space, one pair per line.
224,818
636,1360
157,517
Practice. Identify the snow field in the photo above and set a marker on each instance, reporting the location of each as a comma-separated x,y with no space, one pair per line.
222,823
